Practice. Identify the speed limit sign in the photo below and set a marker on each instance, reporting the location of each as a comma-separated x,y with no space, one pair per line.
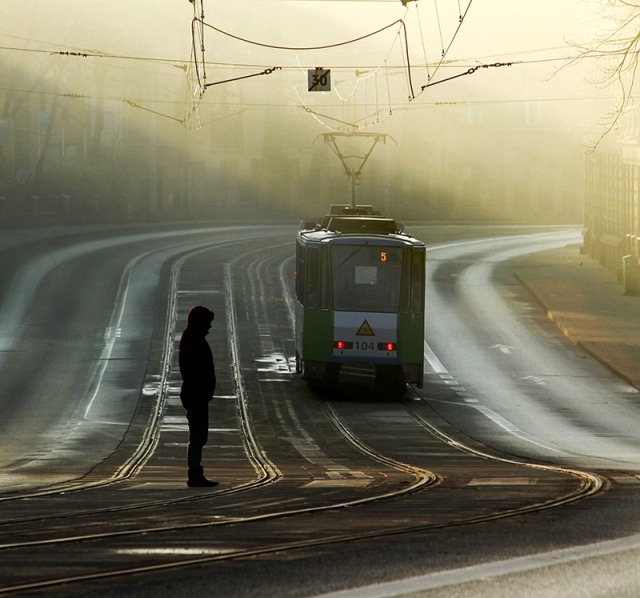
319,79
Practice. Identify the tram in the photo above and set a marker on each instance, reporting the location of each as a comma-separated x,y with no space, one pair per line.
360,300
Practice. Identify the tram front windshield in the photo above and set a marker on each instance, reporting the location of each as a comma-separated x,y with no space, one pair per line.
366,277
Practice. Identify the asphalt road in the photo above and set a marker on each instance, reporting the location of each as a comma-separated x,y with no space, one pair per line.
82,319
522,386
77,315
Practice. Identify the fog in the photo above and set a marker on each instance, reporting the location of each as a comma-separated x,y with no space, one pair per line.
112,110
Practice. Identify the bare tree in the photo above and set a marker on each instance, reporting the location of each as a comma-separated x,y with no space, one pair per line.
616,50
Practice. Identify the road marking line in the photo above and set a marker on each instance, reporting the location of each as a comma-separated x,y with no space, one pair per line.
496,418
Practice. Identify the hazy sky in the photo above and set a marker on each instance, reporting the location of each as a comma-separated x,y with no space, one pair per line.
162,27
493,31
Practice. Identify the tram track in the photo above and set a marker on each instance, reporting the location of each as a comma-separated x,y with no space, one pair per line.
267,472
266,469
590,483
136,459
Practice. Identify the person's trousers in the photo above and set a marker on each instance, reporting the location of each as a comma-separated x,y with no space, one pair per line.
198,418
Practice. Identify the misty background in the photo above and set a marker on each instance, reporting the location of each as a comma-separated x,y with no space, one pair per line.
104,114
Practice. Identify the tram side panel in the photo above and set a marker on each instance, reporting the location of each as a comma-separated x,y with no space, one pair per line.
412,321
314,325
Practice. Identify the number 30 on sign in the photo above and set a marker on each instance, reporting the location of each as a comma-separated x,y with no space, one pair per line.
319,79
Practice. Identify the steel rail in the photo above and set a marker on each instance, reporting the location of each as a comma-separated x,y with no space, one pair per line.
590,483
267,471
134,462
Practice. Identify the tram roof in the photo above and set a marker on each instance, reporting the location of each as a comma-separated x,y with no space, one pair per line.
361,224
383,229
350,223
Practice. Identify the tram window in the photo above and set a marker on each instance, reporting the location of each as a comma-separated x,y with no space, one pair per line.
366,275
366,278
313,278
325,300
300,277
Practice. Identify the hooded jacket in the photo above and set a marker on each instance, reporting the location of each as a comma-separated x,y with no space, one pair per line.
195,358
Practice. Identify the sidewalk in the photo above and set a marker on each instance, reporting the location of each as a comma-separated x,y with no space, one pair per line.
588,304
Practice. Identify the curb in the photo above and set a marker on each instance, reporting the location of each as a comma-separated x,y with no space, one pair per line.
575,340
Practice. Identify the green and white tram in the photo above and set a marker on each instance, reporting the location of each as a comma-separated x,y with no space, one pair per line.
360,288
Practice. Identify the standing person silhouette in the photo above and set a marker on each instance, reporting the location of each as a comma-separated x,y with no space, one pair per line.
198,385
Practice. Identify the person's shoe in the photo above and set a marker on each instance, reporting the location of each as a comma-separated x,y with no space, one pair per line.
201,482
197,479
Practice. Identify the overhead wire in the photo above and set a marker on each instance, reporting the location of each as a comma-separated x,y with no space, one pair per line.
389,68
196,74
372,75
435,4
78,53
461,18
406,56
304,48
156,112
200,63
399,22
469,71
374,70
424,47
197,34
266,71
182,63
275,105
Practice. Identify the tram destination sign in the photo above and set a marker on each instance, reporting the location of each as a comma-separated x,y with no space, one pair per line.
319,79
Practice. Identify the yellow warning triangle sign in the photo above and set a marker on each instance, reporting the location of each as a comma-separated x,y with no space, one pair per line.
365,330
